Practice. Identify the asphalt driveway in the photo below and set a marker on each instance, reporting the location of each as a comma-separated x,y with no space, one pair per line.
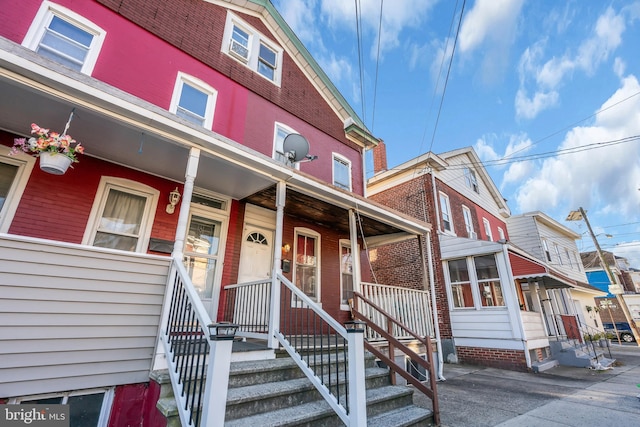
562,396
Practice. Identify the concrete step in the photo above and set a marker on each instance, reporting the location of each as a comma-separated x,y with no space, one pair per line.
544,365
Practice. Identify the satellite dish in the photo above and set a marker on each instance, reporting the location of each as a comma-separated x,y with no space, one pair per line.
295,147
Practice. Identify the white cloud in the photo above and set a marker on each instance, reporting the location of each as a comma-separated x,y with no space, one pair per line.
299,14
548,76
607,176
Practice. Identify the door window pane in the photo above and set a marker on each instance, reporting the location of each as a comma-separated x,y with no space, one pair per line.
306,265
346,271
201,253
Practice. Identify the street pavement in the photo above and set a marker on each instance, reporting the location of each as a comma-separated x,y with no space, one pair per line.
562,396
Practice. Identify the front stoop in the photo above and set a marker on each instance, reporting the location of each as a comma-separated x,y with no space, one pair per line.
270,393
567,355
546,364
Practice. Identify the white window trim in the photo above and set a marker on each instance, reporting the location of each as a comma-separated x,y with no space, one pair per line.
487,229
43,18
25,164
345,243
255,39
212,97
105,411
501,234
475,288
546,253
472,180
466,215
347,162
275,135
310,233
441,195
126,185
557,248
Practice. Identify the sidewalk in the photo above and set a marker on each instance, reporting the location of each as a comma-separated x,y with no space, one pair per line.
562,396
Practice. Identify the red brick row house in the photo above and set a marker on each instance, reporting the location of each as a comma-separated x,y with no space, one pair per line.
183,109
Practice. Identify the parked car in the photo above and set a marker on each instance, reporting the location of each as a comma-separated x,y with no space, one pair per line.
623,328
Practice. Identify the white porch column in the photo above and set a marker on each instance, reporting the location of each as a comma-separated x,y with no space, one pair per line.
274,315
215,401
434,306
187,192
356,375
355,254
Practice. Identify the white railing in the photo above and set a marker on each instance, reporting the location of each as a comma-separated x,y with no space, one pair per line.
410,307
320,345
248,306
196,362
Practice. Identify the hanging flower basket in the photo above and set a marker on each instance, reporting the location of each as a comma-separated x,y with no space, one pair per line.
57,152
54,163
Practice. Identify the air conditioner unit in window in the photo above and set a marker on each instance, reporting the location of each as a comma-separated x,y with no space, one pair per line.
473,235
238,50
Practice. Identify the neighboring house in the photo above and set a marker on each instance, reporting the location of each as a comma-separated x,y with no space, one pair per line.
563,288
498,303
597,275
183,109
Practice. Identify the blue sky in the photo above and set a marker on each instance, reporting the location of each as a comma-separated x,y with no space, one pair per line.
546,91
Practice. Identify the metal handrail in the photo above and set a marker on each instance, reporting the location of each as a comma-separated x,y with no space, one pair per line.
393,343
248,305
582,335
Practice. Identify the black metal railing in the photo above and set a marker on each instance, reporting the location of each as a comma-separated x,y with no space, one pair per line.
248,306
188,350
583,336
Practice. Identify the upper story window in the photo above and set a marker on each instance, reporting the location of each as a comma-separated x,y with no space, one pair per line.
487,229
468,223
501,233
247,45
280,133
545,248
445,208
566,252
558,254
471,180
65,37
14,174
122,215
341,172
193,100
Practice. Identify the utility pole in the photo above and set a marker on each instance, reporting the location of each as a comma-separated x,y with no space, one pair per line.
615,287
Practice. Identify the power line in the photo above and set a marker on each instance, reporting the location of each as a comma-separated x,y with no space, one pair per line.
375,85
360,60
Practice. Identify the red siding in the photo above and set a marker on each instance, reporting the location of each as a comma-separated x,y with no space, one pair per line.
521,266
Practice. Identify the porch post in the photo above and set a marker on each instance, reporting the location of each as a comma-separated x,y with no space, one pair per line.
434,303
355,255
215,401
187,192
356,375
274,315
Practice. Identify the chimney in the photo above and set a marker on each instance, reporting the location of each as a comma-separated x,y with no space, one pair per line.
380,157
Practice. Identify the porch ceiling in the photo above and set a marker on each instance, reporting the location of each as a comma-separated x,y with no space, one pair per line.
319,212
119,128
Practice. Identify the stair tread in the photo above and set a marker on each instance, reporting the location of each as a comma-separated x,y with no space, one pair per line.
401,417
260,391
290,416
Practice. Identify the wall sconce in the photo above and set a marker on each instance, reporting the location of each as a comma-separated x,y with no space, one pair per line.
286,248
222,331
174,198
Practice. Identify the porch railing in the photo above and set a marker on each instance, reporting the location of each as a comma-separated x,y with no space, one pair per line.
248,306
321,347
583,336
410,307
193,359
386,327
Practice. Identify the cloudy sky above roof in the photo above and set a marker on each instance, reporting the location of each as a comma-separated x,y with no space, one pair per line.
546,92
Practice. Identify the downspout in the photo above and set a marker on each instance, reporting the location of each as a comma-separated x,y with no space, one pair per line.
523,335
434,308
364,172
355,254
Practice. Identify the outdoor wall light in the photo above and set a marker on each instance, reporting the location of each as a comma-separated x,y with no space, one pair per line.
222,331
174,198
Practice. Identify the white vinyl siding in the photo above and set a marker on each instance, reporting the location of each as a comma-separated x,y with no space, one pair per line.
84,318
65,37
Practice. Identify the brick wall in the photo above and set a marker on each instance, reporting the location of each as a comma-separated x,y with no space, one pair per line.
197,27
493,357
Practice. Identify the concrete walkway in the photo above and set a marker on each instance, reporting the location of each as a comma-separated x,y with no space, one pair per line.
562,396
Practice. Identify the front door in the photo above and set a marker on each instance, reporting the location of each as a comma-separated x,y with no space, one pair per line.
203,255
256,254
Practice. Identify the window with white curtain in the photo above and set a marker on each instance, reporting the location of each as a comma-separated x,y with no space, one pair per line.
122,215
